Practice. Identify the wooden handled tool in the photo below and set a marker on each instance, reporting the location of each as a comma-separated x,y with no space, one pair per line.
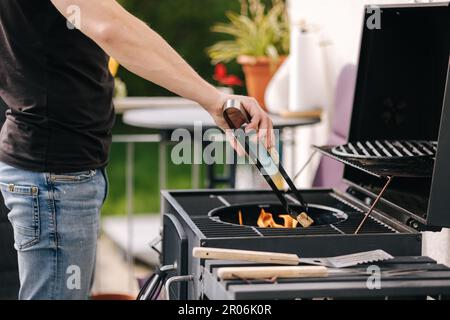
291,259
249,256
256,273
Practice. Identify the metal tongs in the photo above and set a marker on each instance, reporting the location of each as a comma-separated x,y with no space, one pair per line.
237,119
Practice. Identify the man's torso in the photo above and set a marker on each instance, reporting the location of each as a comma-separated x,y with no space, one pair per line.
56,83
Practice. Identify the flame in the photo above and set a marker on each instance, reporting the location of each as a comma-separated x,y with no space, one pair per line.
289,222
266,220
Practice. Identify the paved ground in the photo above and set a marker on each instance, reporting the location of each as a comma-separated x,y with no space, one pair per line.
113,275
144,229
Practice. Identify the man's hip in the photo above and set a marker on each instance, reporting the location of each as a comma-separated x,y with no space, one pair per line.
56,222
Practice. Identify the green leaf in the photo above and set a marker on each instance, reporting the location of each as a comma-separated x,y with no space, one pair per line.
256,31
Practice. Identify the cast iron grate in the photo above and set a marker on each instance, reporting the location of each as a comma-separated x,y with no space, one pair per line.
384,149
320,230
196,206
216,229
354,220
212,228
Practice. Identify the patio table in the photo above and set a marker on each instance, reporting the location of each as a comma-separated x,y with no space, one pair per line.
169,114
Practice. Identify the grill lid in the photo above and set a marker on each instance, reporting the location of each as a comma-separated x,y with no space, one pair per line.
402,102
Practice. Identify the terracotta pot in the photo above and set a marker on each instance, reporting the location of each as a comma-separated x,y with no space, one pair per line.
258,73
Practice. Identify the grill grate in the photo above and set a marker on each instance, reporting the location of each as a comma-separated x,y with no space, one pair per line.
384,149
216,229
212,228
372,225
320,230
196,207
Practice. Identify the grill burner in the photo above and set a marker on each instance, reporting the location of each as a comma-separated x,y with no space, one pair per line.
320,214
385,149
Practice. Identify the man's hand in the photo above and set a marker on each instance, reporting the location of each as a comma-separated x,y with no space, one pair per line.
260,121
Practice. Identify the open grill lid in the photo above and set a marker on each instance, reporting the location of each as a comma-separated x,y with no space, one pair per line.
402,94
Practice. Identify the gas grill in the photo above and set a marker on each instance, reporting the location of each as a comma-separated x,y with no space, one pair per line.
397,180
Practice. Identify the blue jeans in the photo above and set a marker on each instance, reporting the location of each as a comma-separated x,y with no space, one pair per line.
56,225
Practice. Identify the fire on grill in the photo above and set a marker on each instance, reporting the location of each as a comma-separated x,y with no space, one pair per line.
274,216
266,220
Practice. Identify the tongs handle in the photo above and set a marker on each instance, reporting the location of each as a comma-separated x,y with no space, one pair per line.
238,118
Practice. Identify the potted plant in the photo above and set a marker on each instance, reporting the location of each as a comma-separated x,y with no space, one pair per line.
260,42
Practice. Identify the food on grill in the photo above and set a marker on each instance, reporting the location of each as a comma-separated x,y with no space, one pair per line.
385,149
305,220
237,117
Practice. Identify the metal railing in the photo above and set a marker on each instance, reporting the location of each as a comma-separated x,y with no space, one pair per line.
130,141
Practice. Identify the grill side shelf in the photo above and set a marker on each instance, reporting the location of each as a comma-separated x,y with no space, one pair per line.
419,167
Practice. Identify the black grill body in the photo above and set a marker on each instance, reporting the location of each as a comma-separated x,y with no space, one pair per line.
188,224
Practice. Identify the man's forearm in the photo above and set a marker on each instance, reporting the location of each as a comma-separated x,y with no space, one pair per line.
139,49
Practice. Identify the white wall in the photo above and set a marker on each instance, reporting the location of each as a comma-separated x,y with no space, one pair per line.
340,23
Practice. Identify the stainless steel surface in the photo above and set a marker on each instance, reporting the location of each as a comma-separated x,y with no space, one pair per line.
177,279
350,260
149,288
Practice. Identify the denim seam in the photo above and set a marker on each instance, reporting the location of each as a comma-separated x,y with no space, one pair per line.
53,234
36,226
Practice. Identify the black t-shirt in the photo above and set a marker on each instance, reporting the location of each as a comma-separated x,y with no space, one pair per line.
59,91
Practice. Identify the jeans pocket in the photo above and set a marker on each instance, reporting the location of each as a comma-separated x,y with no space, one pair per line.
24,215
77,177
